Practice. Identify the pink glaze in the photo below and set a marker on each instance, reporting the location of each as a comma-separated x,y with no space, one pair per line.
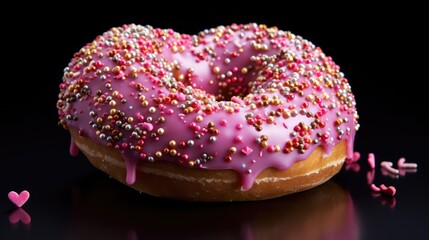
241,97
74,150
355,158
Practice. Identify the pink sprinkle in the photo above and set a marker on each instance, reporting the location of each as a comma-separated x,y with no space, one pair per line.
19,215
239,126
401,161
370,176
388,166
271,148
237,100
181,96
284,125
356,156
148,126
223,122
375,188
19,199
391,190
239,139
170,111
383,187
402,164
371,160
247,150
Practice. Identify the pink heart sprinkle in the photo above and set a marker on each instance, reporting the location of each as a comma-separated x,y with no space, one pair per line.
19,215
19,199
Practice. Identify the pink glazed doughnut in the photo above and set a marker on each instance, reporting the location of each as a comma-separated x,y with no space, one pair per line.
234,113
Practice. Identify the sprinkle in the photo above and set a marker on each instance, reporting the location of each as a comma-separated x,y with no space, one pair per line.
356,156
388,166
375,188
390,191
371,160
19,215
237,100
148,126
370,176
232,149
19,199
223,122
402,164
246,150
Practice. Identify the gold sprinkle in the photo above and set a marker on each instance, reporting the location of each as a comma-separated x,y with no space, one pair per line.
216,69
160,131
232,149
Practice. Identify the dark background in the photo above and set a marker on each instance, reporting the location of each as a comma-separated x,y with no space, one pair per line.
382,51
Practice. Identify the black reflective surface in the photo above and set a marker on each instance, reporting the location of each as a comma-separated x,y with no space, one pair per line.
378,50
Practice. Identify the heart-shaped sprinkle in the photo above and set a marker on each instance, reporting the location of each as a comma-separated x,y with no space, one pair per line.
19,199
19,215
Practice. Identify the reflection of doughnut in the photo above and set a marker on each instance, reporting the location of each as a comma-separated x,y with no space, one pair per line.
297,216
243,112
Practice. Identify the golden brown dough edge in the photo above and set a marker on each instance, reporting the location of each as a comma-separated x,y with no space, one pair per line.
170,180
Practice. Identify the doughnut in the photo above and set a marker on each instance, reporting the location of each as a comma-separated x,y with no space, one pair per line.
234,113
